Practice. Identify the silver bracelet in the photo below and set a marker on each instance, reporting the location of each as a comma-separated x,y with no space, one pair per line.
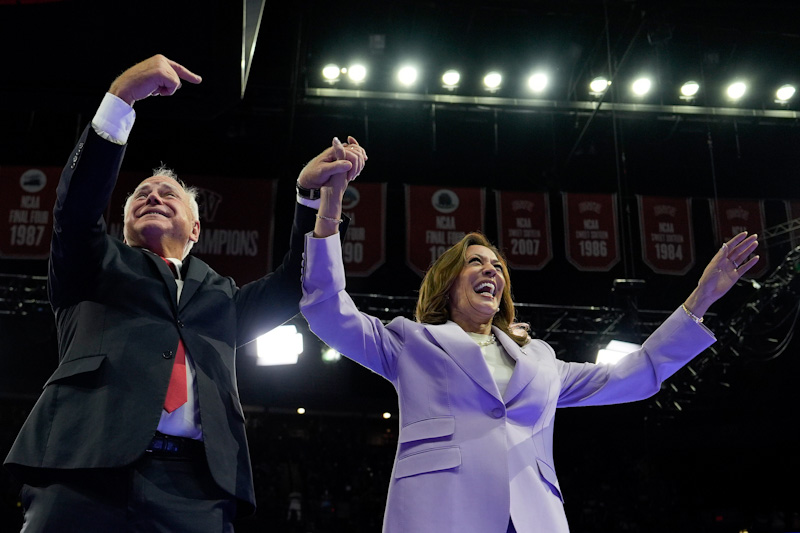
693,316
329,219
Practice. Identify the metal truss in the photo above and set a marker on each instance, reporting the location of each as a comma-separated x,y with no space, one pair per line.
23,295
760,329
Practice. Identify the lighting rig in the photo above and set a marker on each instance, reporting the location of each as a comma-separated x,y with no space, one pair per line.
538,89
760,329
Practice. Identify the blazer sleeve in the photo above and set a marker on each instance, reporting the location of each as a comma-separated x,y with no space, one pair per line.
639,374
79,230
333,316
273,299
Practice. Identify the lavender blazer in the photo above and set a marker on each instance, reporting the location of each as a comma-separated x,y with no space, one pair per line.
469,457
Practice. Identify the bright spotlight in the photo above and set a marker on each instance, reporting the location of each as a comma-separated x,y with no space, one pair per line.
538,82
407,76
736,90
331,73
614,351
492,81
784,94
689,90
329,355
641,86
450,79
281,346
598,86
387,416
301,410
357,73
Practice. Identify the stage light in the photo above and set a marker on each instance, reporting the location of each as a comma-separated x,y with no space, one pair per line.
357,73
689,90
387,416
784,94
281,346
331,73
329,355
492,81
450,79
407,76
537,82
614,351
641,86
736,90
598,86
301,410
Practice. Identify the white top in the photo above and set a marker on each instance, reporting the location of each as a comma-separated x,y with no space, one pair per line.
501,365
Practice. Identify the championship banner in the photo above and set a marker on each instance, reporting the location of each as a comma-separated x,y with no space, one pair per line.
590,224
666,231
523,227
732,216
27,197
437,218
236,222
364,246
793,213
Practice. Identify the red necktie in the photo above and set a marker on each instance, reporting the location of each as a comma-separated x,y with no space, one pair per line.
176,393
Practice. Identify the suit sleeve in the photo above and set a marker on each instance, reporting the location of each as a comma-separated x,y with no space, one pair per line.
272,300
639,374
333,316
79,230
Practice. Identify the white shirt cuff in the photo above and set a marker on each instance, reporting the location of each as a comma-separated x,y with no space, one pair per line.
114,119
313,204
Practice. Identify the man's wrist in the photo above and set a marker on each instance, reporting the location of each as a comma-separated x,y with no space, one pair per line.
308,194
114,119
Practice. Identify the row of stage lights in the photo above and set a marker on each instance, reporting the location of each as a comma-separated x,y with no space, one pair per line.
538,83
386,415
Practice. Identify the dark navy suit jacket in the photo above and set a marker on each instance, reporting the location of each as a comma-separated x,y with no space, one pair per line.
118,325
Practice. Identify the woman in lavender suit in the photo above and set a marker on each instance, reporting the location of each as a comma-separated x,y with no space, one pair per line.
477,395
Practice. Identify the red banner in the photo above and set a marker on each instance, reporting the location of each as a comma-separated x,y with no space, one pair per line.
523,226
364,247
666,231
732,216
27,197
437,218
590,224
793,214
236,222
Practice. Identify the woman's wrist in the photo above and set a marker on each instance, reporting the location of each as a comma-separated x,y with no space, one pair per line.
695,306
329,215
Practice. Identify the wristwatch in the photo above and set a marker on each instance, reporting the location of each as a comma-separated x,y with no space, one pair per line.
308,194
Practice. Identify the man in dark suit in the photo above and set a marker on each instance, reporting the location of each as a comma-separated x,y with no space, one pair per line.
140,427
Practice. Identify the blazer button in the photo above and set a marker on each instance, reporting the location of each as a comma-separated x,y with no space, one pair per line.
167,355
497,413
180,324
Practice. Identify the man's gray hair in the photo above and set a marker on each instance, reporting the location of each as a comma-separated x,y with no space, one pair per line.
191,193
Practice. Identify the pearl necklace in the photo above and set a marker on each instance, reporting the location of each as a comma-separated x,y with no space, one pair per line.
487,342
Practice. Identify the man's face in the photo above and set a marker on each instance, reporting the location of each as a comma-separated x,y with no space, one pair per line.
159,217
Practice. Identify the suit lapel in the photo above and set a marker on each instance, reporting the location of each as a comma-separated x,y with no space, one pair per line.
457,344
524,370
195,274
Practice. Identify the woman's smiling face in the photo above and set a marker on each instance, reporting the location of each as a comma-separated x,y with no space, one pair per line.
476,293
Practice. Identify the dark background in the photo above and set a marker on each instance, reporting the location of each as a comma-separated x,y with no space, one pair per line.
727,461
